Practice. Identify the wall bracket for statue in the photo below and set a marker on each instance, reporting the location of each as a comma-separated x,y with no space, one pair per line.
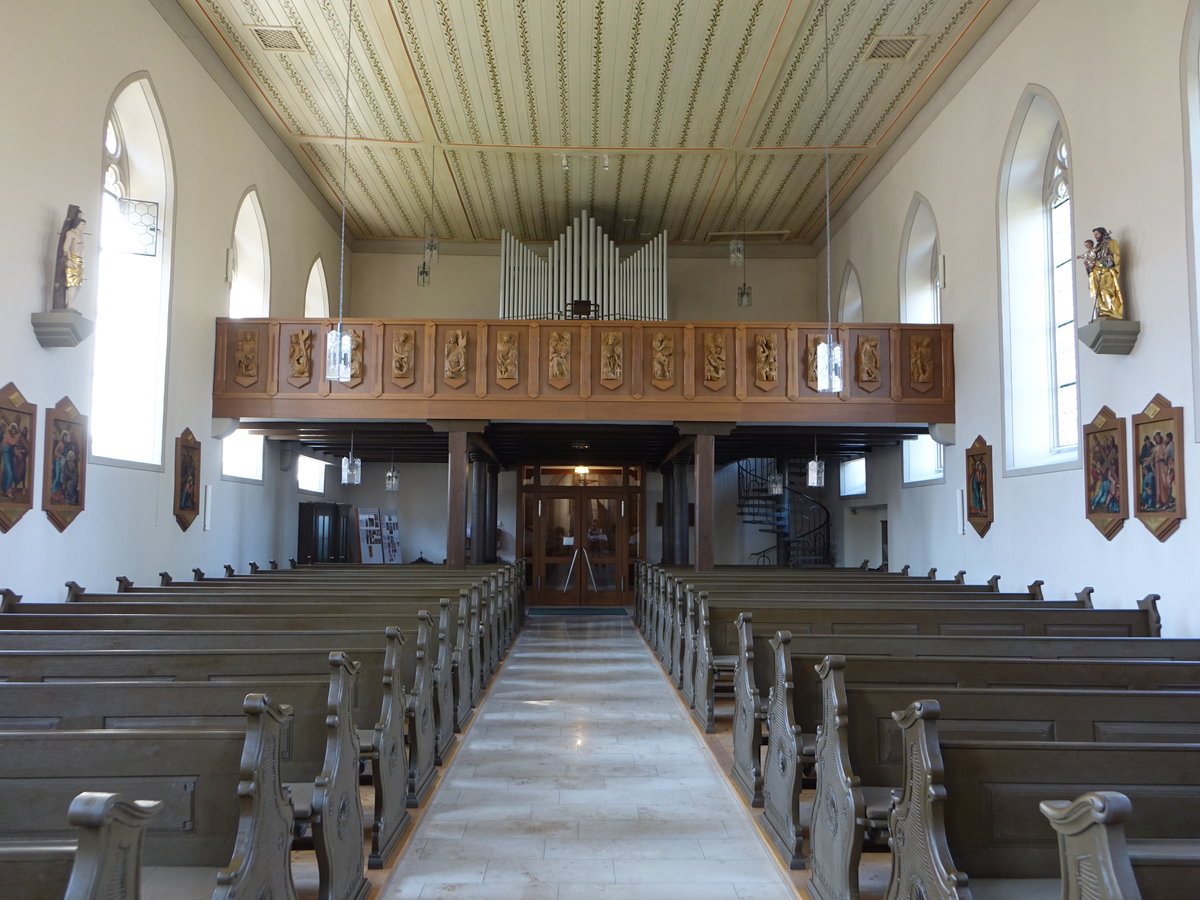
1110,336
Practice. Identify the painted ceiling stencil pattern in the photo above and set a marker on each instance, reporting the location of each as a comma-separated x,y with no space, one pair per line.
697,117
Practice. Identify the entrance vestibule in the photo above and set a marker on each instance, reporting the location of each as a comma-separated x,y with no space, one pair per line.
581,531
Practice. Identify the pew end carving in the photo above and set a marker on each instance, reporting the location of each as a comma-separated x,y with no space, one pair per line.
108,859
1091,845
781,781
921,863
839,807
261,863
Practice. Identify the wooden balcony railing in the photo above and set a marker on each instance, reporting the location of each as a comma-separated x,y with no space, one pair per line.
549,370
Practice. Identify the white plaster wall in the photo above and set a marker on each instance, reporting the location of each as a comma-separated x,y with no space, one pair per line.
699,289
52,154
1117,84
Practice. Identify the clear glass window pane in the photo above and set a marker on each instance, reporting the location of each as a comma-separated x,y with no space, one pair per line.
854,477
242,456
310,474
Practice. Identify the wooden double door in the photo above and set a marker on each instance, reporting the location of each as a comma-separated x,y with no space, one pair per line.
581,543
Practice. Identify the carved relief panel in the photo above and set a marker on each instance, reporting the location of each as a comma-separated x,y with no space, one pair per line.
358,363
404,357
766,361
924,365
558,359
456,358
920,362
716,354
868,365
299,361
507,358
662,360
612,359
246,357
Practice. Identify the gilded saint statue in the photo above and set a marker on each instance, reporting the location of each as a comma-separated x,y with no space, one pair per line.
68,267
1102,262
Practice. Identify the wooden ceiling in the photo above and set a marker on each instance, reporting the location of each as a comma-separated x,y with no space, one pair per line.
514,443
697,117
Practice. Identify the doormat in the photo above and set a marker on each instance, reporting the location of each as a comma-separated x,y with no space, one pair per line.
577,611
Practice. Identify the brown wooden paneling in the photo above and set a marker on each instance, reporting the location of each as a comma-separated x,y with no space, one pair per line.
578,391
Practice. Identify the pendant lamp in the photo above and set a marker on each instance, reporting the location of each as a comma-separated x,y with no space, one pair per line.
339,342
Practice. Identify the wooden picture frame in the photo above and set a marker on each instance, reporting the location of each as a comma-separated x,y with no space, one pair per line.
187,479
18,450
1158,467
1105,462
979,478
64,470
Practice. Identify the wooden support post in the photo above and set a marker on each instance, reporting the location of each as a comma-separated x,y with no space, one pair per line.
456,502
682,533
668,514
491,512
478,507
705,518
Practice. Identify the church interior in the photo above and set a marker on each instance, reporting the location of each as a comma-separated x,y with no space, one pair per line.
586,301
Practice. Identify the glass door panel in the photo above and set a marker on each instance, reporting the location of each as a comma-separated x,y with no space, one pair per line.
603,546
558,526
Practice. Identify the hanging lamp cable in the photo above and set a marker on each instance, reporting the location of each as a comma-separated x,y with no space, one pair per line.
339,344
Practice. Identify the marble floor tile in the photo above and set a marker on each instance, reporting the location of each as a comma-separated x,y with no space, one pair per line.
583,777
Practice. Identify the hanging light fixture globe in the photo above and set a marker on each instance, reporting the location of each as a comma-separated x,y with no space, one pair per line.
351,466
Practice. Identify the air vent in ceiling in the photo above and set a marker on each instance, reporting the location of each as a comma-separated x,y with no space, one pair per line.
750,237
892,49
278,38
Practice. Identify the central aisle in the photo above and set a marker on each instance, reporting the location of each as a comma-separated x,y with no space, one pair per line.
583,777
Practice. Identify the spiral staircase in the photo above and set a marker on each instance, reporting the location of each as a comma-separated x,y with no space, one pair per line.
799,522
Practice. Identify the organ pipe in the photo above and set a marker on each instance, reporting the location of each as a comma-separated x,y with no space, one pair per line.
583,267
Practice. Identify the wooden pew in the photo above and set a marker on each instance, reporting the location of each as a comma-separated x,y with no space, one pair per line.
193,774
105,860
860,766
331,805
1134,663
475,629
716,636
973,807
395,710
1096,860
477,633
668,604
441,697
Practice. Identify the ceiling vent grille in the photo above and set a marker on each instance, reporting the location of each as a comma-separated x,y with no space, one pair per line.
892,49
750,237
278,39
